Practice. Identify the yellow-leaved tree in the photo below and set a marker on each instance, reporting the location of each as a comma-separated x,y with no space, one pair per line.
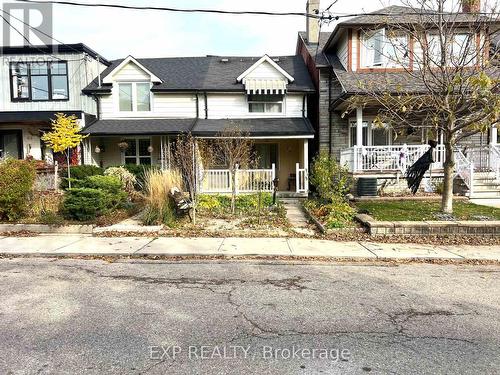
64,136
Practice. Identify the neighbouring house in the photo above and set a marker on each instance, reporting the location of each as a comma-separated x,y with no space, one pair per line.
343,63
37,82
144,104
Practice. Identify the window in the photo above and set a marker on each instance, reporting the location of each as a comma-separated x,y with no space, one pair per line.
265,103
138,151
44,81
383,48
11,144
372,136
134,97
460,50
267,155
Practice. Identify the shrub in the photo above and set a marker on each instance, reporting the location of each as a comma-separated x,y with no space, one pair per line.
139,171
85,203
335,214
17,178
159,206
79,172
329,178
110,185
127,179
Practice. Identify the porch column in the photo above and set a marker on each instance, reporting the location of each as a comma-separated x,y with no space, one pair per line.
359,126
306,165
494,135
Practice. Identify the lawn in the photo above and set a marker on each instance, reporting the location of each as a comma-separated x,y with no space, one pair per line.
410,210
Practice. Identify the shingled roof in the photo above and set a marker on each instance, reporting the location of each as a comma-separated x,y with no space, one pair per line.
316,49
209,73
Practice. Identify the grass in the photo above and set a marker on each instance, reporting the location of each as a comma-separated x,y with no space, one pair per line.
406,210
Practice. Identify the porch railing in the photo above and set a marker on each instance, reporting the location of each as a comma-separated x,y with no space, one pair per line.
386,158
302,179
465,169
246,181
495,160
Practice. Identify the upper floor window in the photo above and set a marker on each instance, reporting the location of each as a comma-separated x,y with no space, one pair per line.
33,81
384,48
134,96
271,103
460,49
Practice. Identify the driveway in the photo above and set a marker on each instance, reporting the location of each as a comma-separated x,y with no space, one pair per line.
85,316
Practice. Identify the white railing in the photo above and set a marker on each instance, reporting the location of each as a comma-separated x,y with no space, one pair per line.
495,160
302,179
246,180
465,169
387,158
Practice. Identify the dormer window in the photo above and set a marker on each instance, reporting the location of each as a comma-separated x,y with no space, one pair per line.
384,48
265,103
134,97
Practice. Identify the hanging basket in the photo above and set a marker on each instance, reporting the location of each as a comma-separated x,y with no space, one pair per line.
123,145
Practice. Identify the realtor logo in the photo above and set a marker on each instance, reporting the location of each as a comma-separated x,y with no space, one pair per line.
26,24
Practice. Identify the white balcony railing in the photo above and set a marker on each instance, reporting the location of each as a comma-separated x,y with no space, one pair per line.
247,180
387,158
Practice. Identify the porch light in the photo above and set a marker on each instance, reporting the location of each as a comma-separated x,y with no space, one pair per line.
150,149
97,150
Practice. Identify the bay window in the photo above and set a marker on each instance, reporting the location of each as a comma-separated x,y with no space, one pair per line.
134,97
39,81
270,103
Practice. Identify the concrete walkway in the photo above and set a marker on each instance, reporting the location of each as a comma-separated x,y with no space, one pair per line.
60,245
296,216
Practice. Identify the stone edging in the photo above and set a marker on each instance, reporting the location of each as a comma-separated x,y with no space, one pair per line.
479,228
44,228
316,222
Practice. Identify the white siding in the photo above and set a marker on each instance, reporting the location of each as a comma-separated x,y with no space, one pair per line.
265,71
80,73
131,72
354,50
236,106
342,50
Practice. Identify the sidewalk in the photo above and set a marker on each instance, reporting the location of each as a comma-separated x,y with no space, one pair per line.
76,245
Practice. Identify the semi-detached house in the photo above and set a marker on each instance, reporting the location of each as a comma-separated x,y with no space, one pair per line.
144,104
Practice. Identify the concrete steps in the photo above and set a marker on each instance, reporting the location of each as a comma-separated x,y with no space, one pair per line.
486,186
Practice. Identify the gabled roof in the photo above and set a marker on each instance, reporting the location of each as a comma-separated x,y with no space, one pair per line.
127,60
315,49
208,73
263,59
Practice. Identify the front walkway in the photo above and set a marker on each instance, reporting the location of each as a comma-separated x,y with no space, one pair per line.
81,245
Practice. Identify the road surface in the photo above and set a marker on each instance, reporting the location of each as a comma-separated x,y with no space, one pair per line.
158,317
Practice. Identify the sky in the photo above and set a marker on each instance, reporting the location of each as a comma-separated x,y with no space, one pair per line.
116,33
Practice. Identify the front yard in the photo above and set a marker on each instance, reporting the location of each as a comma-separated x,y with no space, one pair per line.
419,210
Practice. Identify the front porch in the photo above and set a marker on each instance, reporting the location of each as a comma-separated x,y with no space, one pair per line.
286,159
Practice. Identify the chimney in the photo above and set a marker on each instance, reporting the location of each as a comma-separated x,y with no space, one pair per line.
312,26
471,6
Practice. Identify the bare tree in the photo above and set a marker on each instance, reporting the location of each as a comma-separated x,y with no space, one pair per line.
450,88
188,156
234,148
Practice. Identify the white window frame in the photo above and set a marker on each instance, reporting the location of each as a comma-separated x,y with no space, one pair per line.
134,97
137,154
368,123
385,62
265,113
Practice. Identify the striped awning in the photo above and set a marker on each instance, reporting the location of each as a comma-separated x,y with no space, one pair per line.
265,86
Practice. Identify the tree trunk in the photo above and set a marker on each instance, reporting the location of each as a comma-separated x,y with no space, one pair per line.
69,168
449,171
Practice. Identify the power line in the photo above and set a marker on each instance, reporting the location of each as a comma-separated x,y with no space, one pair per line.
34,28
182,10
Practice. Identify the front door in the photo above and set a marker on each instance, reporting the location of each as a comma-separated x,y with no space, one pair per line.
11,144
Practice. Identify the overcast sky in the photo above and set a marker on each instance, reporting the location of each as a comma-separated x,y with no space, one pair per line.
117,33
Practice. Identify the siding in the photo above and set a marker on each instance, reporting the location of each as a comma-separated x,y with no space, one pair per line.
80,73
342,50
131,72
265,71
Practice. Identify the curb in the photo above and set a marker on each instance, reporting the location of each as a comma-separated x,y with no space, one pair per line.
45,228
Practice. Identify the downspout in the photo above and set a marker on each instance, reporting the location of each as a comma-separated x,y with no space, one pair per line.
206,104
304,106
329,112
197,106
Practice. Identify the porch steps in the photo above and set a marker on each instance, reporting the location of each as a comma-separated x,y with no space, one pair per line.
486,186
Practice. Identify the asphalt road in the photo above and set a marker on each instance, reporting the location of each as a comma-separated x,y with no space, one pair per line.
93,317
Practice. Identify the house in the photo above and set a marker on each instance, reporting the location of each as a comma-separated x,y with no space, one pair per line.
37,82
144,104
353,57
